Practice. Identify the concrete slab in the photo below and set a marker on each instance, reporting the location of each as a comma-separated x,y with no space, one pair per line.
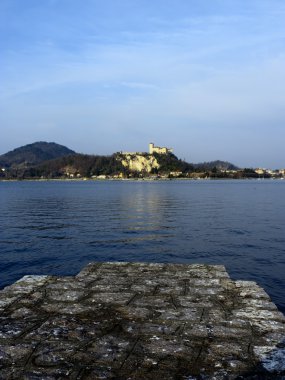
140,321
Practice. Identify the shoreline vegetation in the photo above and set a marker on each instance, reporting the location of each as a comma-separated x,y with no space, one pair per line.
144,179
73,173
51,161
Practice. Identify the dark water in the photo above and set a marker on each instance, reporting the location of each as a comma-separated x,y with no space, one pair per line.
58,227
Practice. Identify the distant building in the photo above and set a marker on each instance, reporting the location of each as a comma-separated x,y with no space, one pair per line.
152,149
131,153
159,150
175,174
260,171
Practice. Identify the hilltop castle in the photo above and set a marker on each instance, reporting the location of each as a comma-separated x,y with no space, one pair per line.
143,162
158,149
152,149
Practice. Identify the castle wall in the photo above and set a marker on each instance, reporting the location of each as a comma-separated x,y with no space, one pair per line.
158,149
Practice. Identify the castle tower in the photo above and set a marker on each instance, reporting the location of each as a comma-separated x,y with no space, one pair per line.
151,146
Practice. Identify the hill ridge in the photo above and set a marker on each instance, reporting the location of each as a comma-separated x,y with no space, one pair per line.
33,154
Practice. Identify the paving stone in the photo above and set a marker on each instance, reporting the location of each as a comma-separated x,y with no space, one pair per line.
140,321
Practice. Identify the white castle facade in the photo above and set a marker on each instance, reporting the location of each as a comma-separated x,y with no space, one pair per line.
152,149
158,149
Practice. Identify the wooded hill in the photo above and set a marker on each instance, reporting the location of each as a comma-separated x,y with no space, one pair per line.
51,160
33,154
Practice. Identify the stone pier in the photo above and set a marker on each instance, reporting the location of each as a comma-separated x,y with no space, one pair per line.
140,321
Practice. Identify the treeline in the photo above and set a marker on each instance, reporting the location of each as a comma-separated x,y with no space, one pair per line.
234,174
73,165
170,163
214,165
83,165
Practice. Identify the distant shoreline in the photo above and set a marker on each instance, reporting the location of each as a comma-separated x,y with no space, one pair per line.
135,179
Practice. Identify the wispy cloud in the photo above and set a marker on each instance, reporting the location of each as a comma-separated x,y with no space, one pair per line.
206,72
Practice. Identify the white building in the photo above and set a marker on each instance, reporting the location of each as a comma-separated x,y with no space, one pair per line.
159,150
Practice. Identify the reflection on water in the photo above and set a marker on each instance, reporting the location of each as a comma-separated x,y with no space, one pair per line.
58,227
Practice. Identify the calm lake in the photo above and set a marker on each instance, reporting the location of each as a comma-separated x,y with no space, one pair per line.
57,227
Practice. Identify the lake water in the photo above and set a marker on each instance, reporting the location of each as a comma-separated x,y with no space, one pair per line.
57,227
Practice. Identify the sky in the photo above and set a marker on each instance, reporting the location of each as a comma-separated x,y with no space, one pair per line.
205,77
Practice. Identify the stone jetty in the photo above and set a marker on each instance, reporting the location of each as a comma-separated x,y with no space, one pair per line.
140,321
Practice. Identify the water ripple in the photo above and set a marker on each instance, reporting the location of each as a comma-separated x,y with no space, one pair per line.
58,227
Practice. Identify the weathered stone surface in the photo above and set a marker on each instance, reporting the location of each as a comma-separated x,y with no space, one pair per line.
140,321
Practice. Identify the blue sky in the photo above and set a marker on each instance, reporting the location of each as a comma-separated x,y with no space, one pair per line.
206,77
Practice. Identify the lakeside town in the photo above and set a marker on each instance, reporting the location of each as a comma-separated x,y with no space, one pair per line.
257,173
